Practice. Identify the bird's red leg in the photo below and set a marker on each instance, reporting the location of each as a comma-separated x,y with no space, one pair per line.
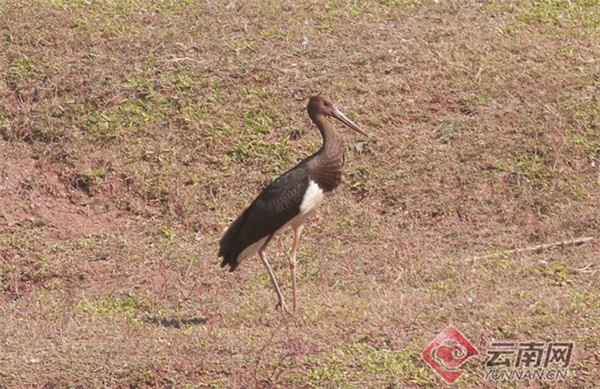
261,254
297,234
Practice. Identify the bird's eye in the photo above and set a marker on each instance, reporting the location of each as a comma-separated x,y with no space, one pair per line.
327,103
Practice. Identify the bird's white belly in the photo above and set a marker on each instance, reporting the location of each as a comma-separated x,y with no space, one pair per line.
312,198
251,250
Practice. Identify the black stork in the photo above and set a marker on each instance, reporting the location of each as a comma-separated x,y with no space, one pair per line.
290,199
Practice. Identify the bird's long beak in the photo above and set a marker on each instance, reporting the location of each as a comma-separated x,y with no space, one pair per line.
339,115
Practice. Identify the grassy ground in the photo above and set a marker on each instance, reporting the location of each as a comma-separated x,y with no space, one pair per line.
132,132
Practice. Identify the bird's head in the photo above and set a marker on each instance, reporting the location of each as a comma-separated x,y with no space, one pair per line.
321,105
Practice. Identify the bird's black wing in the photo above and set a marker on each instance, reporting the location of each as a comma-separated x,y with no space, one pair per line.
277,204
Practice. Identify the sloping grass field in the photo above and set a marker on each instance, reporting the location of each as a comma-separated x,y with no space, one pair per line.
133,132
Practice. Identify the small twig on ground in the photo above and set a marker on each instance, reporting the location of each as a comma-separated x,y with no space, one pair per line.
182,59
587,269
573,242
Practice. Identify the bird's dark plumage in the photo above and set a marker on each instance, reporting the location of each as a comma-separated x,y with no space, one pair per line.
291,198
277,204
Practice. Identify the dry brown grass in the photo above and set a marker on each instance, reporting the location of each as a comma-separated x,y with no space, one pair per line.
132,132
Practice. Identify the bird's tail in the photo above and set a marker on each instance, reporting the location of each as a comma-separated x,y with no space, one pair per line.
229,245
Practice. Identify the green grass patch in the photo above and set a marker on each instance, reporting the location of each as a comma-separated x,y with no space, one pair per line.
112,306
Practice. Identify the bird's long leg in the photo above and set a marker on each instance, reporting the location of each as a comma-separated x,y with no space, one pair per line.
297,234
262,256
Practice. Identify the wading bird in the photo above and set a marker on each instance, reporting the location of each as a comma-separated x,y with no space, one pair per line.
290,199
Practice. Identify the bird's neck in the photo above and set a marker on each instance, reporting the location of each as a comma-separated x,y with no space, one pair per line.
328,163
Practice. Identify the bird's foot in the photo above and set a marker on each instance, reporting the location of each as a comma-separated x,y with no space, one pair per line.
285,309
283,306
